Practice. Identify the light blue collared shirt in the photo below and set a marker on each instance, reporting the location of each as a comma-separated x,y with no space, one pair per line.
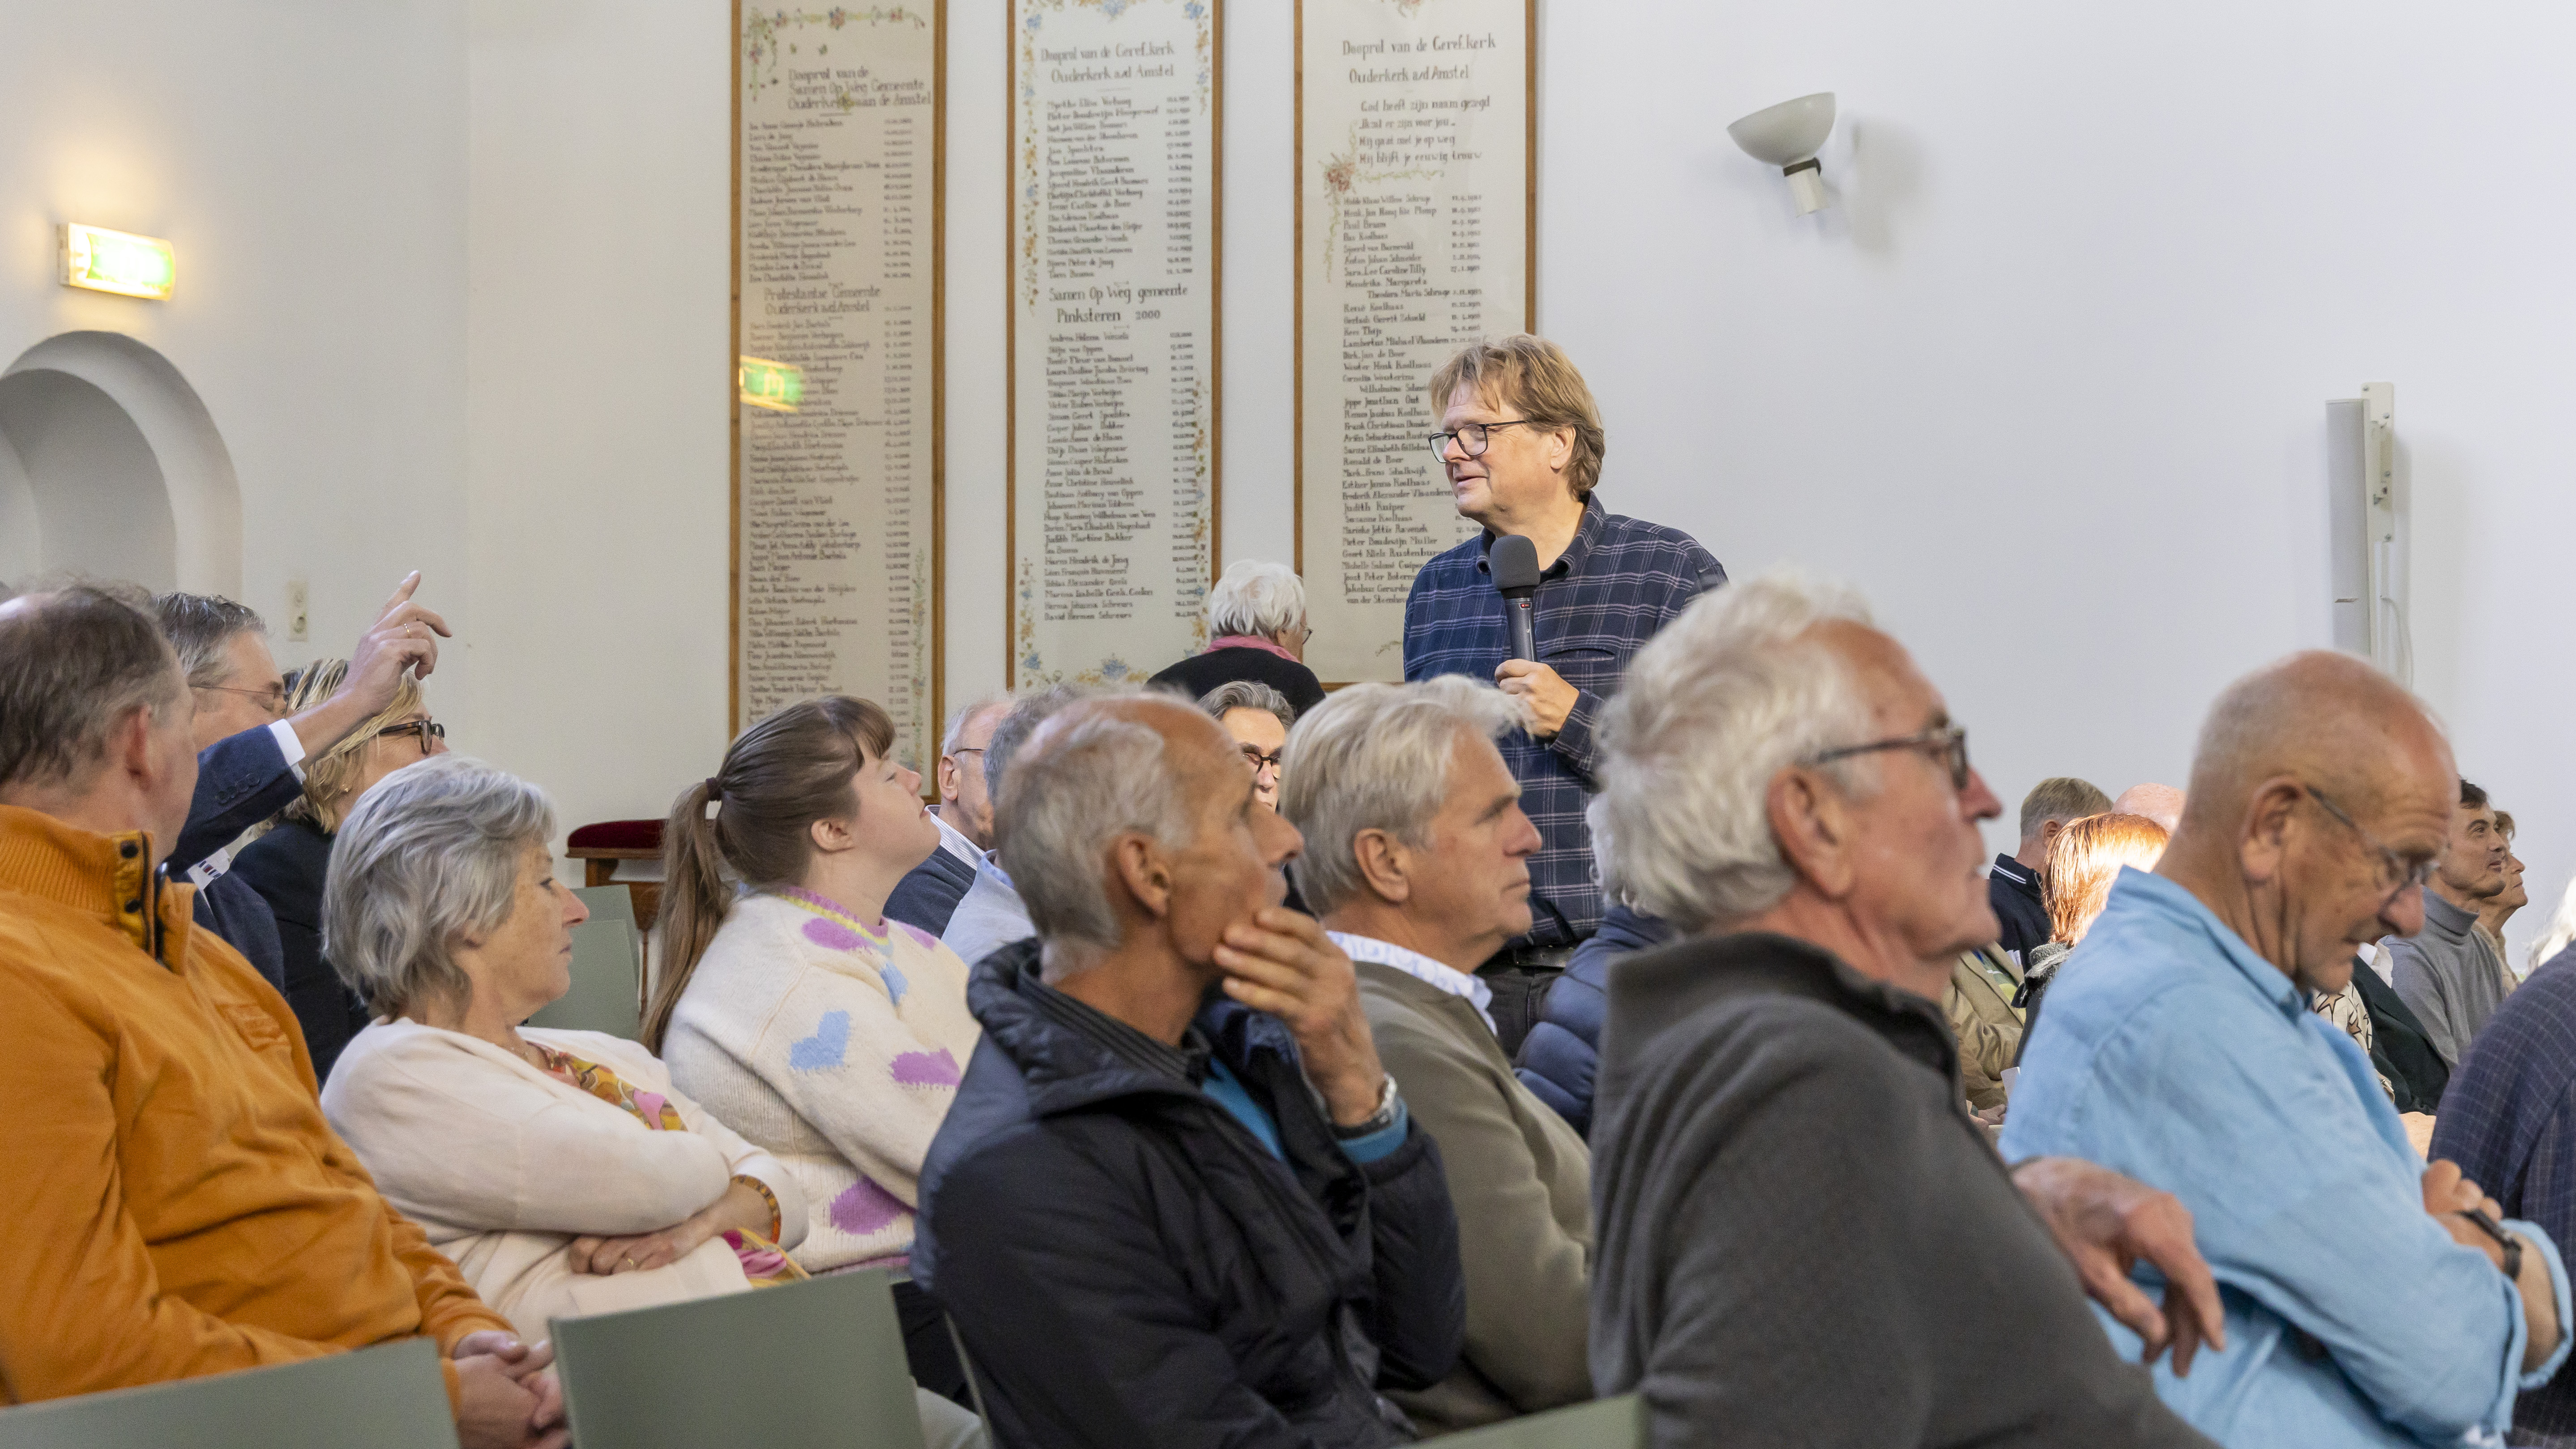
1421,968
2171,1052
988,917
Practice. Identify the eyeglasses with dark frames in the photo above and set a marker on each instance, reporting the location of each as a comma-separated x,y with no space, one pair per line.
1472,438
427,729
1259,761
1947,744
2392,866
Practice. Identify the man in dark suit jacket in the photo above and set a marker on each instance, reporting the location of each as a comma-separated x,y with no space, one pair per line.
928,894
249,752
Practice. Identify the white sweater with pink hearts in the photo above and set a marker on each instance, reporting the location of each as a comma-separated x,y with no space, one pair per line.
835,1046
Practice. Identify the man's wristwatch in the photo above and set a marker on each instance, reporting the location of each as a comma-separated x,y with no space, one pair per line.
2511,1245
1380,1120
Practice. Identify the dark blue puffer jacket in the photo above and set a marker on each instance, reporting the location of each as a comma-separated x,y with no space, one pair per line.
1564,1048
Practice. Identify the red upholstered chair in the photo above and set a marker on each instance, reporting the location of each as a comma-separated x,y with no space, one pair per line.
599,847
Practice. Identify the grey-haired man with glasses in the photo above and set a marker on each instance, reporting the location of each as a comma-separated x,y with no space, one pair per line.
2370,1299
250,753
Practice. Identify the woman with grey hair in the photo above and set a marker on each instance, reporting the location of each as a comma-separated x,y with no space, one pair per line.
1257,718
559,1169
1257,631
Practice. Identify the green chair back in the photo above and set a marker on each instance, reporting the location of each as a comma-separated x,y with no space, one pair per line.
604,969
1618,1423
811,1365
390,1397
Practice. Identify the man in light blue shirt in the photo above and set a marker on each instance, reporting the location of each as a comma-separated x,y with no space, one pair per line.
2366,1302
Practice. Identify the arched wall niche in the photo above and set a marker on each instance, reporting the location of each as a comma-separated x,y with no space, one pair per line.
111,466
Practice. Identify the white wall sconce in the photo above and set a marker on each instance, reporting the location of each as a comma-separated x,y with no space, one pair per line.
99,260
1788,136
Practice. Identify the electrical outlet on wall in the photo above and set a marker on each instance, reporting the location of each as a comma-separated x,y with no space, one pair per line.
299,627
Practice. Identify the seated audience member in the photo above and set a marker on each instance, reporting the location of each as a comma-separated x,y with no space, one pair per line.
1417,862
1801,1237
2159,803
1978,1004
1256,618
560,1170
991,915
1561,1054
2447,974
2511,1121
927,896
793,1011
2082,862
1257,717
290,864
249,749
1179,1201
2497,909
2012,883
177,1205
2365,1303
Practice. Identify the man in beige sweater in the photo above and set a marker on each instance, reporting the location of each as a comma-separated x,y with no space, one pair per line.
1417,862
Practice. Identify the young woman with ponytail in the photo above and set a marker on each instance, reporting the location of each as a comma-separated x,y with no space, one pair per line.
788,1005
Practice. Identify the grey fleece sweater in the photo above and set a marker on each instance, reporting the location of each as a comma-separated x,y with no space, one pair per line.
1803,1239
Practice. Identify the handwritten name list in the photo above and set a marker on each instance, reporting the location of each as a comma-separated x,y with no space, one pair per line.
839,278
1413,226
1113,335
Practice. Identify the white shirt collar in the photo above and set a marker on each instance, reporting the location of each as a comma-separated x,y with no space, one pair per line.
954,841
1421,968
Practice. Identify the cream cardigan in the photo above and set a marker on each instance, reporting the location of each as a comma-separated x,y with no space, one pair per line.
502,1165
835,1045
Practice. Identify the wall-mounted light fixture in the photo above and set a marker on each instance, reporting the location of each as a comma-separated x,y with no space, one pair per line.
1788,136
777,386
117,261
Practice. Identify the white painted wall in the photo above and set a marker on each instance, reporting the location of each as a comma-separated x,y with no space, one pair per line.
2048,381
309,163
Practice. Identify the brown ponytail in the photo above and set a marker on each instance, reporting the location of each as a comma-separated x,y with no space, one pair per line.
784,773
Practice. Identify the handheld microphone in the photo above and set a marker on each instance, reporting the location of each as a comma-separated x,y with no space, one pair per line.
1513,560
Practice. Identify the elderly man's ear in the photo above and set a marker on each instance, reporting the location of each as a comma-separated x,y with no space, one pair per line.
1147,874
1385,864
1814,825
2267,819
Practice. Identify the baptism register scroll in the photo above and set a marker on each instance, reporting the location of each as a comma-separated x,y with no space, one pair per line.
1113,347
836,288
1414,190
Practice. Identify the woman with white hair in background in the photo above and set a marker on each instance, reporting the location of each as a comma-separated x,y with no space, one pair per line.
1256,618
560,1170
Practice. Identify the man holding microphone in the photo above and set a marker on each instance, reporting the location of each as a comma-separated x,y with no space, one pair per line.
1521,439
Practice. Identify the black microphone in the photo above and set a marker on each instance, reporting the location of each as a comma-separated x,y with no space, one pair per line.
1513,561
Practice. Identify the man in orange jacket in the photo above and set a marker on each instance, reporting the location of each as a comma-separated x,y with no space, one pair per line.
176,1204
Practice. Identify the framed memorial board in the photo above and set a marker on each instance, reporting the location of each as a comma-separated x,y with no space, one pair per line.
1115,270
839,154
1417,137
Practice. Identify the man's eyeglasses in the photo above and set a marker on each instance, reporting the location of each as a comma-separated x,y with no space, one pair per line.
271,699
427,730
1260,762
2392,866
1471,438
1948,744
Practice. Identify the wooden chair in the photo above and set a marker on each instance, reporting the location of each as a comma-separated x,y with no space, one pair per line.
607,970
389,1397
601,846
1618,1423
811,1365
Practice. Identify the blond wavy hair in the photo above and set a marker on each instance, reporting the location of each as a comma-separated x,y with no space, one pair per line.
1531,376
331,775
2085,859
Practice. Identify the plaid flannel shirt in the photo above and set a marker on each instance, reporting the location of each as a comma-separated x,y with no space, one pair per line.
1619,581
